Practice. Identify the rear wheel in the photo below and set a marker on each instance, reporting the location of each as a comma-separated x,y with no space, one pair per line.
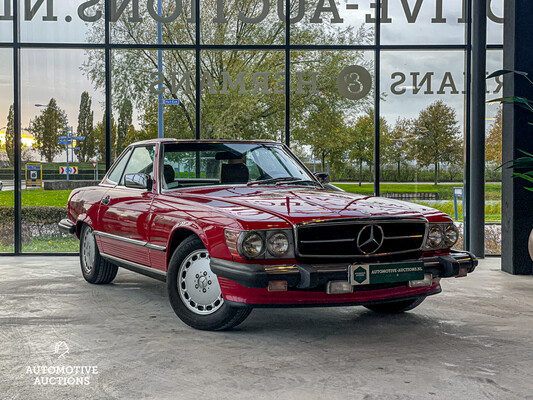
93,267
194,291
395,307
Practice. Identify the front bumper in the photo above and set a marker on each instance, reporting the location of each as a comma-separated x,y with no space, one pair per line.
305,276
67,227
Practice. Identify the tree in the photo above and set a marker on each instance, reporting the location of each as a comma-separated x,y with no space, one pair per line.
494,140
361,140
46,129
438,138
10,135
233,114
124,124
85,128
397,146
100,139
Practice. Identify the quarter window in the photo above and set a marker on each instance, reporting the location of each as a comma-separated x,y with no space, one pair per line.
116,173
141,162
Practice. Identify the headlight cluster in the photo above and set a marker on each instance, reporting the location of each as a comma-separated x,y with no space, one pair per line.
441,236
260,244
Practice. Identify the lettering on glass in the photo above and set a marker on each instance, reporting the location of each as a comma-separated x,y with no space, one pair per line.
316,12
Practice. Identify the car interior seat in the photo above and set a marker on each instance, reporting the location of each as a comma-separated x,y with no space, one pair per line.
234,173
169,174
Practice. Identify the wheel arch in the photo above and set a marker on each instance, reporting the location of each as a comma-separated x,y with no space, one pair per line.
178,235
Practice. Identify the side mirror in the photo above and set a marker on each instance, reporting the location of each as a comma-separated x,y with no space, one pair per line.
323,177
138,181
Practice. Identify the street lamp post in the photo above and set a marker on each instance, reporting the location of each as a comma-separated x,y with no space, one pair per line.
66,131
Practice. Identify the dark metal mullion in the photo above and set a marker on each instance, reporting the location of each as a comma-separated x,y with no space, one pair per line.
198,72
468,117
477,132
287,73
108,90
377,89
17,210
242,46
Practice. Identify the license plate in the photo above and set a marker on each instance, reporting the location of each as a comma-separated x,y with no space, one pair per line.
374,274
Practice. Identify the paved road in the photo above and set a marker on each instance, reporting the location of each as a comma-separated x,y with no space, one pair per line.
471,342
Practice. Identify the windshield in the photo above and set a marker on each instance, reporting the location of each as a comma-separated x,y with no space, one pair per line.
203,164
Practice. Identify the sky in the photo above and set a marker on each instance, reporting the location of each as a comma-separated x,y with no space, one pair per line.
47,73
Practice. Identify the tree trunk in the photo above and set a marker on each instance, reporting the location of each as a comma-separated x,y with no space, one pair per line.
398,171
360,172
436,173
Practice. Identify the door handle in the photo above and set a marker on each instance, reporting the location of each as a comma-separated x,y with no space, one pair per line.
106,201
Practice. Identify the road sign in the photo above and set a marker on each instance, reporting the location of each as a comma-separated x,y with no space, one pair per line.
68,171
65,142
34,176
171,102
79,138
95,164
63,137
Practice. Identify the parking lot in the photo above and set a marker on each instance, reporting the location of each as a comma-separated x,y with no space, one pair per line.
473,341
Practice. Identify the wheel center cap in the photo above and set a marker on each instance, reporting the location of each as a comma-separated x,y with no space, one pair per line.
202,282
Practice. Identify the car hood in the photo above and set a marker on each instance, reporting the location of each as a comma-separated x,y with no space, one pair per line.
298,204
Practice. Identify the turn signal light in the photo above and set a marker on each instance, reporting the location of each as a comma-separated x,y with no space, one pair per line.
277,286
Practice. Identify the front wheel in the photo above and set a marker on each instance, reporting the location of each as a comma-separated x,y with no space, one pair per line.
396,307
194,291
93,267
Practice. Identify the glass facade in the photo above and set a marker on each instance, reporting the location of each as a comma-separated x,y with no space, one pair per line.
380,101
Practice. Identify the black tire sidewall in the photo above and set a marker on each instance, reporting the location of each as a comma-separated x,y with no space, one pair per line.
224,318
89,277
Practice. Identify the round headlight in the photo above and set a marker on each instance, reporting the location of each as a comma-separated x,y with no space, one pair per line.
435,236
451,234
278,244
252,245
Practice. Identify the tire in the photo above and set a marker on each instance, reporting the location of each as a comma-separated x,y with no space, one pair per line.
396,307
93,267
194,292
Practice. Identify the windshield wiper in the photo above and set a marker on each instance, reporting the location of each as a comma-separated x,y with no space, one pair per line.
271,180
300,182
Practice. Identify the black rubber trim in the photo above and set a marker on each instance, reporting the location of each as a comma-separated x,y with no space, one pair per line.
360,303
66,226
133,268
309,276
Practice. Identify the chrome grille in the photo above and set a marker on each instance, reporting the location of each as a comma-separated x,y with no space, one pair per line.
338,238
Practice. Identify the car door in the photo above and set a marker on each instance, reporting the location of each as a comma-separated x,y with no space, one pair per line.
124,212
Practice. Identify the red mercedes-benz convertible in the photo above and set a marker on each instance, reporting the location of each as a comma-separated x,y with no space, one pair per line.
233,225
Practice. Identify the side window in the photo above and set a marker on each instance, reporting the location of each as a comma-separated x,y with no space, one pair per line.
116,173
141,162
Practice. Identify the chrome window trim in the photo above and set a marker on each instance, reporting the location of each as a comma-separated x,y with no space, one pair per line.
130,241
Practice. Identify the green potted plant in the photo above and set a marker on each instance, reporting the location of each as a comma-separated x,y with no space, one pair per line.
522,166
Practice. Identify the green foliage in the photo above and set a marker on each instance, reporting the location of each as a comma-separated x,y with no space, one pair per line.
46,129
10,135
361,141
438,137
523,165
100,139
124,124
86,150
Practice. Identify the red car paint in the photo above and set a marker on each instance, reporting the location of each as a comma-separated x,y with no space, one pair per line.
158,218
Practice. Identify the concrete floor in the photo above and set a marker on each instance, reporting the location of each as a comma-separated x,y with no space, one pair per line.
473,341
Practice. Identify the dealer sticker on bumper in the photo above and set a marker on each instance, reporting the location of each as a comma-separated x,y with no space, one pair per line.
373,274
